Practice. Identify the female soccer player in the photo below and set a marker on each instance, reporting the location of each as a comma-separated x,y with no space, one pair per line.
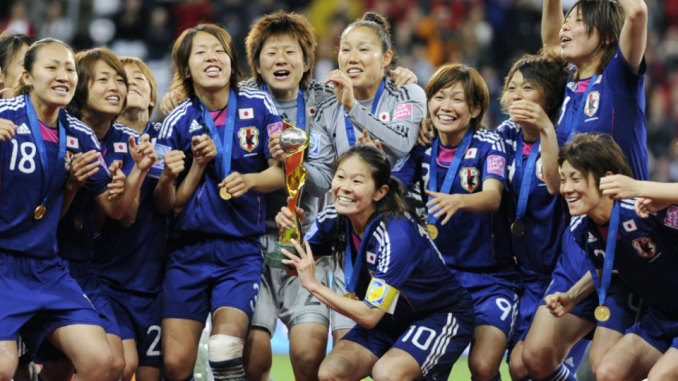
13,48
215,264
464,172
34,149
393,269
641,251
130,259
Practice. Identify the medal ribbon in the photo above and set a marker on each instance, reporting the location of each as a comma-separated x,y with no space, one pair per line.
570,125
350,132
225,145
451,171
301,108
525,178
351,271
609,254
49,175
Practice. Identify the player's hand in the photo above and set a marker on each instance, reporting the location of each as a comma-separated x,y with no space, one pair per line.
529,114
402,76
117,185
170,101
82,167
427,133
203,148
304,263
236,184
619,187
274,147
442,203
285,219
174,164
144,154
343,88
645,206
7,130
365,139
559,304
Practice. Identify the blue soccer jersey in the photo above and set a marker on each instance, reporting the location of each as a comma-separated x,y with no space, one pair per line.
645,255
132,258
538,249
206,212
23,186
468,241
400,255
615,105
77,228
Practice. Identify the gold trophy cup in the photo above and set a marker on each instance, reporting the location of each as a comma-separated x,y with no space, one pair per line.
293,142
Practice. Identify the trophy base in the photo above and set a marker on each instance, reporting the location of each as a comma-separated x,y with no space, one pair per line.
275,258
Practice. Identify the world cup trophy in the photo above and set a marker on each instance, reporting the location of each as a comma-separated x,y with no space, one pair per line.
293,141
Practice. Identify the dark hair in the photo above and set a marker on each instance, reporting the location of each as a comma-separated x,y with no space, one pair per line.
597,154
605,16
279,24
475,88
10,44
85,61
182,51
392,204
547,72
149,76
31,55
380,25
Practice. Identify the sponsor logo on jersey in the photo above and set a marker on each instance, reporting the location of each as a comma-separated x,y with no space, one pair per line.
314,146
471,153
274,128
23,129
592,103
249,138
371,257
195,126
403,112
385,117
246,113
539,169
644,247
496,165
120,147
630,225
671,219
470,178
72,142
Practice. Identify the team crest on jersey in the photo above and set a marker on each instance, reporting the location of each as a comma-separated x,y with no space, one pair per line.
470,178
385,117
539,169
249,138
246,113
72,142
592,103
118,163
644,247
471,153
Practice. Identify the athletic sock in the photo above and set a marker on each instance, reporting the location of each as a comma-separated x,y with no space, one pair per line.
526,378
190,378
229,370
561,374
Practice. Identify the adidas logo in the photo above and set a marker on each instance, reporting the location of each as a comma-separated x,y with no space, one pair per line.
23,129
569,361
194,127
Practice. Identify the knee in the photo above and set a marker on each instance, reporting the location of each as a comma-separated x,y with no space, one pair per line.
517,367
336,369
662,374
117,367
99,366
383,372
225,347
306,363
539,362
178,365
483,369
610,371
8,365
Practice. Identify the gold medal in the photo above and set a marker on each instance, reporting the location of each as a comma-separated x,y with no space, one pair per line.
432,231
351,295
78,223
223,192
602,313
518,228
39,212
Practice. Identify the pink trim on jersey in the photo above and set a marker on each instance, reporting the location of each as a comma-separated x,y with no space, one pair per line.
582,85
603,232
221,120
446,155
356,241
527,148
49,134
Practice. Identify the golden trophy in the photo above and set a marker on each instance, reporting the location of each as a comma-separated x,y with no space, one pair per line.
293,141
